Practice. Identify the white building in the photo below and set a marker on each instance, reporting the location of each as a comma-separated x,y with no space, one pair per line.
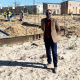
55,7
37,9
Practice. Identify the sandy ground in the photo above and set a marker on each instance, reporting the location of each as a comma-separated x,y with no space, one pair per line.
27,61
30,25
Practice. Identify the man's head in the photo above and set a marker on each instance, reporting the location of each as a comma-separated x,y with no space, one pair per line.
48,13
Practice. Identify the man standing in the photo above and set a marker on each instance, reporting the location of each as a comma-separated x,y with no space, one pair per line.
5,14
21,15
8,15
27,13
50,27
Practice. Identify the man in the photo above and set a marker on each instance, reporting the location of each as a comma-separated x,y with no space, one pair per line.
50,27
27,13
11,16
21,15
8,14
5,14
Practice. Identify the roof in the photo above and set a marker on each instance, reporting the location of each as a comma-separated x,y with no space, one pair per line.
71,0
52,3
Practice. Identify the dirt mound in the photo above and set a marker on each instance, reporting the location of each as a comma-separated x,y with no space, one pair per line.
16,30
20,30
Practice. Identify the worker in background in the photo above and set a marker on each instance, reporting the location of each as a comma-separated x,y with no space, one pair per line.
8,15
5,14
27,13
11,16
21,15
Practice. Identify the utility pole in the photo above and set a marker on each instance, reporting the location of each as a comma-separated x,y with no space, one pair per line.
33,6
0,2
34,18
33,2
38,11
64,14
1,17
15,3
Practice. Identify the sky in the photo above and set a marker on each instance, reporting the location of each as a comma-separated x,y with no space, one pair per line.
28,2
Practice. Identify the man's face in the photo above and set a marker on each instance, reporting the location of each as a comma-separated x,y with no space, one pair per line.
48,14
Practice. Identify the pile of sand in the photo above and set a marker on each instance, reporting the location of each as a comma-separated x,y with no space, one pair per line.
20,30
15,28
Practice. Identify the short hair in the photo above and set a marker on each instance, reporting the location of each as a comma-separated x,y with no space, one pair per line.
48,10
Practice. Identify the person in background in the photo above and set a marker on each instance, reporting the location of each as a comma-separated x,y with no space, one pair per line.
11,16
27,13
5,14
50,28
21,15
8,14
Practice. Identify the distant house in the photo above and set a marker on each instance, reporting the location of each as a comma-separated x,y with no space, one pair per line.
55,8
70,7
39,9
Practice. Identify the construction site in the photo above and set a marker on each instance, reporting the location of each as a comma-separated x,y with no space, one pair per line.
22,49
31,25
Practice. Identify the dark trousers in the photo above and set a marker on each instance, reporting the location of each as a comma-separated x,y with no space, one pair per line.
51,46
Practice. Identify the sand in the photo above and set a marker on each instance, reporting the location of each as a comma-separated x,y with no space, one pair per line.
26,61
33,22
